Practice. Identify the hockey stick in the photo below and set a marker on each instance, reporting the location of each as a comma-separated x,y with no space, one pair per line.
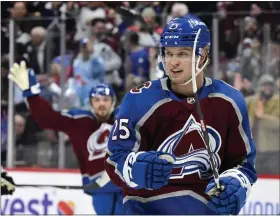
201,118
85,187
207,143
98,183
56,186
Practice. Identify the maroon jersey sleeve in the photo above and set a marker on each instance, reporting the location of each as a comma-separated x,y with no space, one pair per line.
46,117
240,148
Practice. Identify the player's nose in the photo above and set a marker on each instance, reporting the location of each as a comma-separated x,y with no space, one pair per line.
175,63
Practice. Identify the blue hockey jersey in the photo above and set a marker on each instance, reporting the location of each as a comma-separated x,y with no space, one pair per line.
152,116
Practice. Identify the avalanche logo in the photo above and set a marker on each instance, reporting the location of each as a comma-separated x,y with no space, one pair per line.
195,160
97,142
66,208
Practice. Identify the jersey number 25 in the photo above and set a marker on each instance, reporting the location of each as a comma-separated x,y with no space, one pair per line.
121,126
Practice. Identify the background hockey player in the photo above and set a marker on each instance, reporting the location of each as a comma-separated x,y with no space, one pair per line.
88,132
160,173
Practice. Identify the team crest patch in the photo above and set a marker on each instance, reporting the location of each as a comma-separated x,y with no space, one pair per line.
97,142
193,160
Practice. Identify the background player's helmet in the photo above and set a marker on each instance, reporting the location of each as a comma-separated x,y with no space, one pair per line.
187,31
103,90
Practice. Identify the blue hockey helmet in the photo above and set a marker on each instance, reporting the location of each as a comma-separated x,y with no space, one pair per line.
181,32
186,31
102,89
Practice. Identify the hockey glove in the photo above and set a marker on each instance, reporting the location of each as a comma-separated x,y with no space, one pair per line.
7,184
25,79
236,188
148,170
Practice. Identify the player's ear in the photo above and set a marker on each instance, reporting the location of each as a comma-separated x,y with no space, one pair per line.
204,56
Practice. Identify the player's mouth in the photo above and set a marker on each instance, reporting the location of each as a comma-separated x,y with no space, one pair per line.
102,112
176,71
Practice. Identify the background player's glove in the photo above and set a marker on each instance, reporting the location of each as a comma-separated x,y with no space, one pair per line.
236,188
7,184
25,79
149,170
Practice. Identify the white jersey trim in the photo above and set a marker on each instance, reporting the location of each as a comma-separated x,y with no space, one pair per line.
116,168
167,195
163,83
92,176
75,116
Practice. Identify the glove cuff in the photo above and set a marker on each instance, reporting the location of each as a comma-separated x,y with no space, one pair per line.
34,90
127,169
241,177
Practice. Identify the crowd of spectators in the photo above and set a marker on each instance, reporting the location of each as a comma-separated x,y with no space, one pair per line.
101,46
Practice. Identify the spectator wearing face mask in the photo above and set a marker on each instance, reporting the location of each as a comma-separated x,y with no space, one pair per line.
263,109
250,60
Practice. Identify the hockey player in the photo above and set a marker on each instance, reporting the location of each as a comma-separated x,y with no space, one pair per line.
159,173
88,132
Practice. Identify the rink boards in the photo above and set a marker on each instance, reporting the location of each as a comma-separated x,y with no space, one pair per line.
264,198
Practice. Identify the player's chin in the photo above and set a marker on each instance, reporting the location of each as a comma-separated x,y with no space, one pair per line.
102,113
177,80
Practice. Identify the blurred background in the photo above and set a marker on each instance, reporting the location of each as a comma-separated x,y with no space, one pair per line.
74,45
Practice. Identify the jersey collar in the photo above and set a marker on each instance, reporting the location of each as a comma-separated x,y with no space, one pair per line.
202,92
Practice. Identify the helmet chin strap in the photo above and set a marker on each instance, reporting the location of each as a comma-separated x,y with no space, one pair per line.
195,68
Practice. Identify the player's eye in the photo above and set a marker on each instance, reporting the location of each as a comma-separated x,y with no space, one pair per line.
183,54
96,99
169,54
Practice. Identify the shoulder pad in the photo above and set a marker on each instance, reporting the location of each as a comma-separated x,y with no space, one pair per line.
140,100
222,87
78,113
227,92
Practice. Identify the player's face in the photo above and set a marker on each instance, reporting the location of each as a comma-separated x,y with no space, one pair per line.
101,105
178,63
